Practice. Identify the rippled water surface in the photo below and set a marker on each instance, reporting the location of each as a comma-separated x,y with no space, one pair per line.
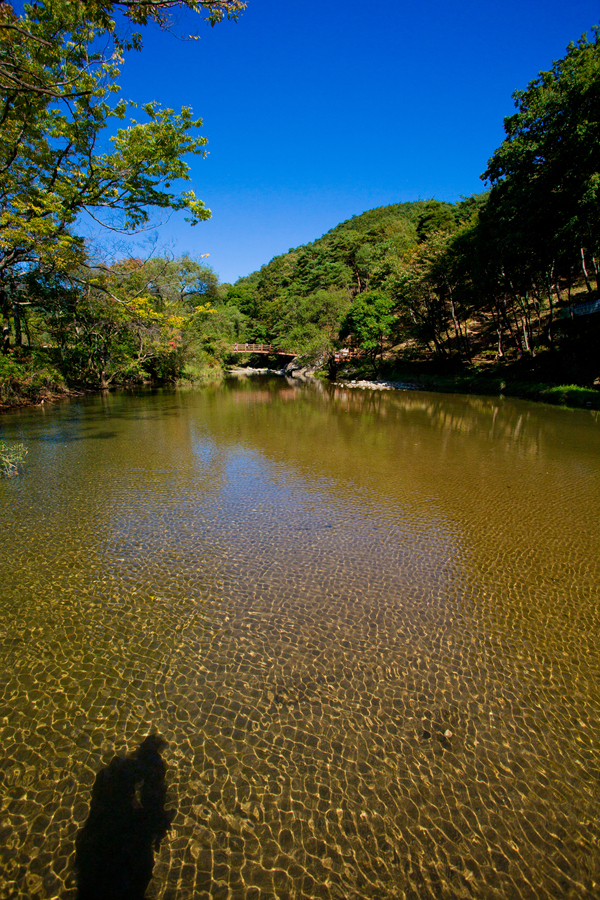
367,625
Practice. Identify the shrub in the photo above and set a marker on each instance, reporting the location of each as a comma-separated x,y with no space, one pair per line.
11,457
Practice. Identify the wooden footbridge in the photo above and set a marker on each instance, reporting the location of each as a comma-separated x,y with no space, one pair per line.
266,349
247,347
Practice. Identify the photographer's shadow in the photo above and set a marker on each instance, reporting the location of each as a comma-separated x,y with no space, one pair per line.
127,821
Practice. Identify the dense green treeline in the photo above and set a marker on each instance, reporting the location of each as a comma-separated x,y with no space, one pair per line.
493,280
349,284
133,321
489,275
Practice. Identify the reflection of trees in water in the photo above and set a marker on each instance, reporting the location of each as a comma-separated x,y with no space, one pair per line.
127,821
266,396
463,415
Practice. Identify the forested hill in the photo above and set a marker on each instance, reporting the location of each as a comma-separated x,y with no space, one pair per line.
509,274
507,278
302,300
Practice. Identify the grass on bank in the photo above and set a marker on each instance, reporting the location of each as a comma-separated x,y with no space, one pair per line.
560,394
501,379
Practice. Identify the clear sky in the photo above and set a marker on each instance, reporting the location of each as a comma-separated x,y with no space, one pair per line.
318,110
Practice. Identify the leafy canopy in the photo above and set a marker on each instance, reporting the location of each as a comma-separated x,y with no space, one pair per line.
58,68
545,175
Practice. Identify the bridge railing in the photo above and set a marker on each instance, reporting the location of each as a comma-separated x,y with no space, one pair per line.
250,347
346,353
581,309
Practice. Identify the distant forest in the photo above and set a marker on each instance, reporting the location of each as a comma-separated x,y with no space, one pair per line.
508,277
510,274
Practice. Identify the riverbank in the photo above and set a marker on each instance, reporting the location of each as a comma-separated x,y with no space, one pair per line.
474,383
24,384
493,381
562,395
38,396
527,378
247,372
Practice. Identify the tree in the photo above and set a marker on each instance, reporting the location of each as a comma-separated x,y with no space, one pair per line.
58,68
436,216
545,176
370,322
53,163
309,326
31,62
122,322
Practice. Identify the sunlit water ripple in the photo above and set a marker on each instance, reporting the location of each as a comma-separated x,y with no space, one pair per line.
366,625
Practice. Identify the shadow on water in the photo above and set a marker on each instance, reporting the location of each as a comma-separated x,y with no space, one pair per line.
127,821
66,437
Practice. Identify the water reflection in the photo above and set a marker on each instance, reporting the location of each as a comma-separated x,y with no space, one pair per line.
366,623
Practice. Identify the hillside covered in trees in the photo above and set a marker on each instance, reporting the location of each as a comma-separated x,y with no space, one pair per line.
504,284
510,276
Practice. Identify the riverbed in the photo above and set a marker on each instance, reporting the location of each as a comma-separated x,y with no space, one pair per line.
365,623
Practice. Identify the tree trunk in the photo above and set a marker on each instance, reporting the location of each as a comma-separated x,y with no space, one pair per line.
526,325
551,318
525,335
457,332
4,310
584,270
596,272
497,318
25,324
514,334
505,310
17,321
462,342
358,281
537,305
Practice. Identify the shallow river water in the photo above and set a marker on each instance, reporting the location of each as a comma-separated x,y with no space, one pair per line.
366,624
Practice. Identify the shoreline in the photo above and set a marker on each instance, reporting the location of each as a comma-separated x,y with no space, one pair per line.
567,395
378,385
46,396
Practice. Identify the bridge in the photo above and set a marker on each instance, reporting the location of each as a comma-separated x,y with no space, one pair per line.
265,349
581,309
247,347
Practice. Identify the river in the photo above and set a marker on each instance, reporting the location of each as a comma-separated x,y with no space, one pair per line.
365,623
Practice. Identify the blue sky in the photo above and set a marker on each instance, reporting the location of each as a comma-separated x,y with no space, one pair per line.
318,110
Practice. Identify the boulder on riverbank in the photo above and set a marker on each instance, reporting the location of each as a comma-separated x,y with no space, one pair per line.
379,385
240,371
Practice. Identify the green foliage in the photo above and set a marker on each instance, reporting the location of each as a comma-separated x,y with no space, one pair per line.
422,273
75,18
28,377
436,217
11,374
370,321
545,199
60,103
11,457
429,279
70,144
119,323
302,299
210,333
